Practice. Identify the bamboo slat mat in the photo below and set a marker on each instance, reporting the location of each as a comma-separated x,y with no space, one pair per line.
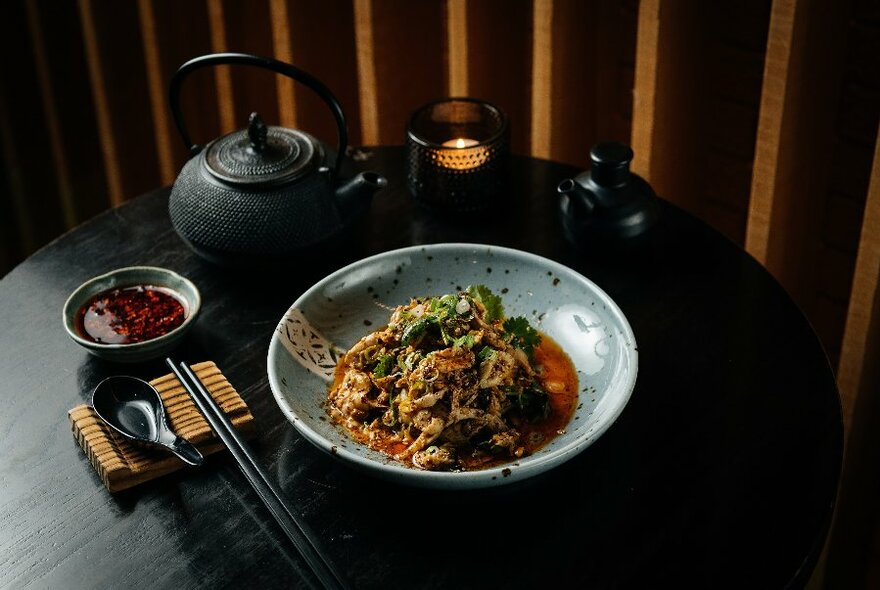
122,464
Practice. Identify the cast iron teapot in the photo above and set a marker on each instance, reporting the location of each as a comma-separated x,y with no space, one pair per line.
608,203
264,192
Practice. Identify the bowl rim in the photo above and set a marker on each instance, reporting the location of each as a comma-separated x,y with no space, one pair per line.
68,311
492,476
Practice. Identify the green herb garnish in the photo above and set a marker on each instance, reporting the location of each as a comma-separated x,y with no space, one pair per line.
414,330
491,301
521,334
466,341
384,365
532,401
485,353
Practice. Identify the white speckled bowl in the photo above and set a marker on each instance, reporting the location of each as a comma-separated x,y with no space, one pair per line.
343,307
124,277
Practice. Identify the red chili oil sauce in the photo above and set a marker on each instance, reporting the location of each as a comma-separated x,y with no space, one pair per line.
130,314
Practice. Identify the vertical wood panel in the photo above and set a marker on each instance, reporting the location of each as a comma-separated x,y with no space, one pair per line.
408,61
33,184
102,108
593,55
50,110
219,44
863,304
249,29
851,549
574,79
768,150
10,240
645,86
156,85
183,30
793,139
696,99
542,77
666,105
500,62
733,67
856,120
283,51
615,71
313,22
15,183
78,128
10,249
119,84
366,60
457,47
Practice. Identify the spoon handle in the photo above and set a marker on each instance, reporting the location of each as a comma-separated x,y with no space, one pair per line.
186,451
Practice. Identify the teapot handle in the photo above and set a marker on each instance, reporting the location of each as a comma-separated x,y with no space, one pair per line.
268,63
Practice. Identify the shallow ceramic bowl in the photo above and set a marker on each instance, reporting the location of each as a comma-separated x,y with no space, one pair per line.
345,306
124,277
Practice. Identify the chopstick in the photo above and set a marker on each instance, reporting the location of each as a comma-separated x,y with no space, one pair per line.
302,537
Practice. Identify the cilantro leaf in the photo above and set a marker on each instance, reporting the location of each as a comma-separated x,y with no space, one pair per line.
532,402
384,365
466,341
485,352
414,330
491,301
521,334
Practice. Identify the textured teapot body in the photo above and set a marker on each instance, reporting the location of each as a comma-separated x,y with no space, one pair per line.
263,192
218,219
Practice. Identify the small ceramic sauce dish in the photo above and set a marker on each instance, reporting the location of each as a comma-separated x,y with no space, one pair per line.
131,314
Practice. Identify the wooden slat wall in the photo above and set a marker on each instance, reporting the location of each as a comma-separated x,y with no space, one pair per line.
223,77
796,144
853,548
50,111
759,116
591,88
853,193
182,31
695,111
500,62
457,47
155,83
282,48
313,23
542,80
27,158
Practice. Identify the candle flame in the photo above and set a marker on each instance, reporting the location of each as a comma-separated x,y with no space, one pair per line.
459,143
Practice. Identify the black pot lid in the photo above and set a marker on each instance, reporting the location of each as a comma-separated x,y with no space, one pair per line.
262,156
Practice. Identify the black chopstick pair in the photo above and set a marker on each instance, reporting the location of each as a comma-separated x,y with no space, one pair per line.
299,533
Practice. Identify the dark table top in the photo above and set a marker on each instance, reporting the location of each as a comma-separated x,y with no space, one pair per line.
720,472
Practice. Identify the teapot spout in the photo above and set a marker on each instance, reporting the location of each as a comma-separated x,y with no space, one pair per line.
576,200
358,191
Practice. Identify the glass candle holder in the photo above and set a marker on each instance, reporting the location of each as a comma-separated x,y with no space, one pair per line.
457,150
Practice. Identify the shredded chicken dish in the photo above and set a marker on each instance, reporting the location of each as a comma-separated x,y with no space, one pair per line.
451,384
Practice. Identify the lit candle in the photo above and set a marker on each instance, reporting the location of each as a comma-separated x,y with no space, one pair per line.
457,153
461,142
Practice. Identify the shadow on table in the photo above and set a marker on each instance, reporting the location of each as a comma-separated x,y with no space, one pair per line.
466,538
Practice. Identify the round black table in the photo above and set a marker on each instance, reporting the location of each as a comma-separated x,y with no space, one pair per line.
721,471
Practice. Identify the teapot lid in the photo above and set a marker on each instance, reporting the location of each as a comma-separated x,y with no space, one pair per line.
262,156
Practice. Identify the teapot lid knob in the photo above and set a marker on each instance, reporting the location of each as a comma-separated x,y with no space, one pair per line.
262,156
610,163
257,132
